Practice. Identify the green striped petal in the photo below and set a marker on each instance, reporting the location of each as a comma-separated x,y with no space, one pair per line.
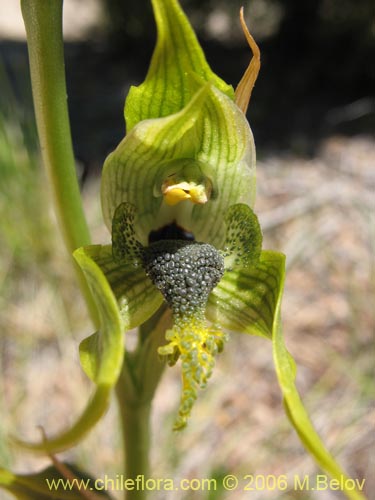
137,299
209,133
177,55
246,298
102,353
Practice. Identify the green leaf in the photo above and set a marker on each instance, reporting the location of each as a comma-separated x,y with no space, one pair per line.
49,484
246,298
210,132
177,56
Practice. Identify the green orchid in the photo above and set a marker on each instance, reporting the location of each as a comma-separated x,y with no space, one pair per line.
177,197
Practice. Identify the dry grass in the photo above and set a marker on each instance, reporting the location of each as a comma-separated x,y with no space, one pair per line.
320,212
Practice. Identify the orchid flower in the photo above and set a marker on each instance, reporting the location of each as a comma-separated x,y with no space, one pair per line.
177,197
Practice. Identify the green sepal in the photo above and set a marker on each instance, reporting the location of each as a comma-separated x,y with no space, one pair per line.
101,355
35,486
249,300
295,410
210,131
177,55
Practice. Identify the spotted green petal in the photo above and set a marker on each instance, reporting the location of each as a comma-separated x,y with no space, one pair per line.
249,300
126,248
243,240
177,55
210,133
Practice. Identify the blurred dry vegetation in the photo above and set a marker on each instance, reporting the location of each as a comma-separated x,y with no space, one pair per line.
316,203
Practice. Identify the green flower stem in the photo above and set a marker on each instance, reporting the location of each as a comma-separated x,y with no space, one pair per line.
136,434
135,423
135,390
43,22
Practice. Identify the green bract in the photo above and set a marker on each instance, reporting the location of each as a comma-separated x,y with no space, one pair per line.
177,196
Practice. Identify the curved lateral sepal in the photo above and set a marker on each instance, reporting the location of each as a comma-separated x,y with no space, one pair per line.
297,414
95,409
105,354
102,356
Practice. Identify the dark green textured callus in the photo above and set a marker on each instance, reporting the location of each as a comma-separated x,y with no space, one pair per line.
185,272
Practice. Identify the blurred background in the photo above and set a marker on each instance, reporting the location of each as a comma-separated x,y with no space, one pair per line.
313,117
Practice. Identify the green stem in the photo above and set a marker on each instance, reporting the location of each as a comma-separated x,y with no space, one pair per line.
135,390
136,435
43,22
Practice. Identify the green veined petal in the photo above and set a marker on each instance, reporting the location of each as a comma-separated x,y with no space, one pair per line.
137,298
245,299
106,353
143,159
178,55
